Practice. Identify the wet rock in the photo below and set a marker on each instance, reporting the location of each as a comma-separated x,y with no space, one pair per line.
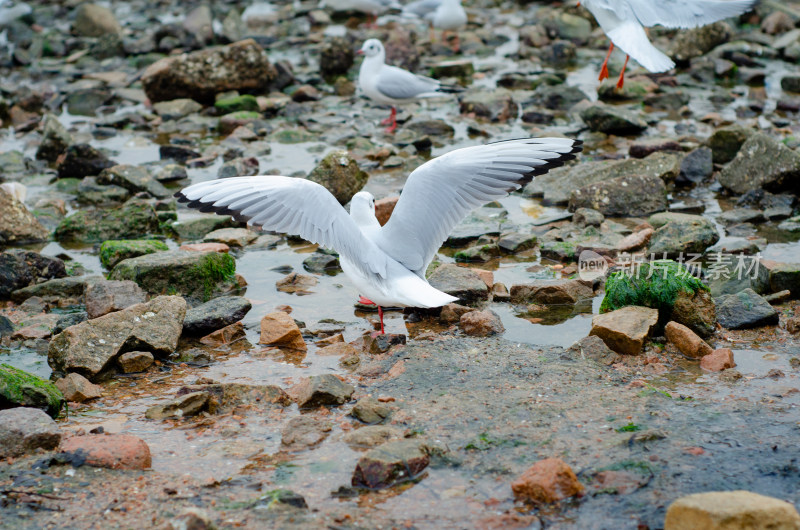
481,323
697,166
82,160
694,310
171,173
762,162
686,340
494,106
296,283
306,93
303,432
135,218
114,251
6,326
90,192
240,167
25,430
112,451
103,297
721,510
740,215
191,519
340,174
699,41
477,254
200,75
681,234
370,410
92,347
233,237
633,195
785,276
21,389
92,20
514,242
77,388
321,262
584,217
559,54
198,227
558,97
176,109
718,360
56,289
745,309
335,57
779,297
452,313
547,481
461,282
215,314
790,83
205,247
226,335
626,329
21,268
323,390
551,292
391,463
244,102
635,240
184,406
729,274
197,276
643,148
340,349
612,120
377,343
17,224
726,142
134,179
179,153
593,347
777,22
135,361
372,436
85,102
55,139
227,396
279,329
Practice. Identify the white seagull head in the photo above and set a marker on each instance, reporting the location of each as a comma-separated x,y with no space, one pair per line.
373,48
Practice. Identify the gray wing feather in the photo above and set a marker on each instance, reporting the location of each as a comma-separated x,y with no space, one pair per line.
292,206
441,192
681,13
397,83
421,8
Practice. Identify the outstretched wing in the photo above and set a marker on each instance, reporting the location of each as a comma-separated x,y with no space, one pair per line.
681,13
441,192
293,206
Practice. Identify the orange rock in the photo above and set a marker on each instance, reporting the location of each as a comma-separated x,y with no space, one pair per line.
546,481
327,341
338,348
481,323
686,340
206,247
718,360
452,312
225,335
635,240
384,209
279,329
486,276
114,451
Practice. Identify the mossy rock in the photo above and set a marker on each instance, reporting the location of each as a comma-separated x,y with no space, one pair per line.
245,102
21,389
114,250
340,174
133,219
655,284
197,276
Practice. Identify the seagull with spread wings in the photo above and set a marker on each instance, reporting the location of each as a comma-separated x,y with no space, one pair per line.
624,22
387,263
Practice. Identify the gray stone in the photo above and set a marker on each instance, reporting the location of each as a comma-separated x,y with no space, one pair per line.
322,262
726,142
92,20
215,314
133,179
113,251
52,291
321,390
740,215
233,237
302,432
557,97
514,242
699,41
103,297
181,407
697,166
24,430
340,174
496,105
21,268
92,347
372,436
584,217
17,224
82,160
55,139
678,234
593,347
134,219
632,195
762,163
785,276
745,309
370,410
391,463
77,388
176,109
461,282
613,120
91,192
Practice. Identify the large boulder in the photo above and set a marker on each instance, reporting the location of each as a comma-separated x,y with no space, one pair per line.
200,75
679,235
24,430
104,296
340,174
198,276
17,224
631,195
91,348
21,389
762,163
135,218
114,250
745,309
21,268
626,329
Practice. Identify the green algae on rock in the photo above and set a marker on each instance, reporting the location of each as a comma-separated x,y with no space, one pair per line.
133,219
21,389
115,250
655,284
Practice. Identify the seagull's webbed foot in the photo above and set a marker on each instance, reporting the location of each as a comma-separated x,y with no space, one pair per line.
365,301
391,121
621,81
604,68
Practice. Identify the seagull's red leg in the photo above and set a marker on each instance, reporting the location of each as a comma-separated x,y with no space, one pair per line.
456,44
604,68
380,314
621,81
390,119
393,120
365,301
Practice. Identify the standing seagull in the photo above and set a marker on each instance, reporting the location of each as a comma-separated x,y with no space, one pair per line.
447,15
390,85
624,22
387,263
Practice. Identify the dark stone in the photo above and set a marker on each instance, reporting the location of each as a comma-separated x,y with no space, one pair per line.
215,314
745,309
21,268
70,319
177,152
696,166
82,160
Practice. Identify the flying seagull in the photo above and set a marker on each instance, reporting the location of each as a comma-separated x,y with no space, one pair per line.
624,22
389,85
387,263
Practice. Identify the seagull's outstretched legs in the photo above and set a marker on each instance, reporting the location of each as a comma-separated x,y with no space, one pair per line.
391,121
604,68
367,301
621,81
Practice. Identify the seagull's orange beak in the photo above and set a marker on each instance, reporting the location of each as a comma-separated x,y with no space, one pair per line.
579,3
360,52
